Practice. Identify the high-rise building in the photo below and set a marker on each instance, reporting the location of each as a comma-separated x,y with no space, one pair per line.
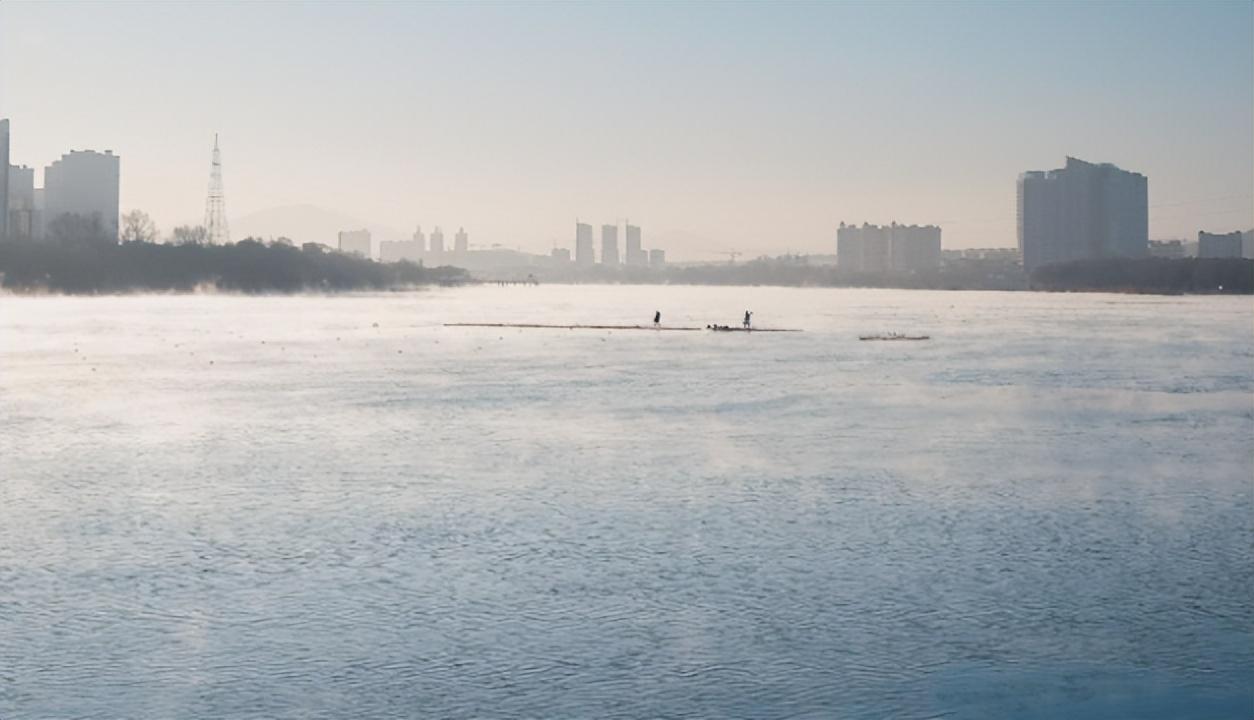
914,248
23,221
609,244
437,241
461,241
889,248
41,217
635,255
356,242
420,239
1216,245
851,250
4,180
84,184
1082,211
657,258
584,254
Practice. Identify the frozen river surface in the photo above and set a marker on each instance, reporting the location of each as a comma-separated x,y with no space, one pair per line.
334,507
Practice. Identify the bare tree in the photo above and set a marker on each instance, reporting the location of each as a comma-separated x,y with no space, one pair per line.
138,227
189,235
75,229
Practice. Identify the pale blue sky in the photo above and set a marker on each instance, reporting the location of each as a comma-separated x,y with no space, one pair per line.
756,127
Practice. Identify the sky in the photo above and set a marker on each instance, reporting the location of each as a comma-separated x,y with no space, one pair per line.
716,127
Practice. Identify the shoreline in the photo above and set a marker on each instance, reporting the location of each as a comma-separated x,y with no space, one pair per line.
33,292
255,268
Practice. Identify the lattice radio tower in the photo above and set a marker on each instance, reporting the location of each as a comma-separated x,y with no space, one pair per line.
217,232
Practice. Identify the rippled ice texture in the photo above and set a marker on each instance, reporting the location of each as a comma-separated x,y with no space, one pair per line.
226,507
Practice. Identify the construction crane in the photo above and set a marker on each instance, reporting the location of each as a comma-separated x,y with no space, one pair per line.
731,255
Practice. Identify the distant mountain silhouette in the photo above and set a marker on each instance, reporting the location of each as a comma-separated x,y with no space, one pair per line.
308,223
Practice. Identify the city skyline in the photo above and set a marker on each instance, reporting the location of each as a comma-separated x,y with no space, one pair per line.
761,156
1083,211
897,365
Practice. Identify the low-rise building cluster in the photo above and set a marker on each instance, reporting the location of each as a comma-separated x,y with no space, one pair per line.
421,248
1219,245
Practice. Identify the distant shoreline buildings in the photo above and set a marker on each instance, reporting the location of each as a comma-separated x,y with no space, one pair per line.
23,220
609,244
80,196
356,242
83,183
633,254
888,249
583,245
1169,249
417,248
1215,245
1083,211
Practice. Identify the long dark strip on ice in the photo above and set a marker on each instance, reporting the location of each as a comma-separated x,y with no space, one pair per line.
615,327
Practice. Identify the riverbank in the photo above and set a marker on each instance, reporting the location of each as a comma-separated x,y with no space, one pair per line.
1149,276
247,266
1156,276
255,267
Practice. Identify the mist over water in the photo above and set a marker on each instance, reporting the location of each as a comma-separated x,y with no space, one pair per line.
224,506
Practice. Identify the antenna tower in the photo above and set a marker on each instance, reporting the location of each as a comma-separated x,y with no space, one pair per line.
217,232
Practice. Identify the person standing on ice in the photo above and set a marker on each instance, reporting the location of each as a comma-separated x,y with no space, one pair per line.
657,318
748,316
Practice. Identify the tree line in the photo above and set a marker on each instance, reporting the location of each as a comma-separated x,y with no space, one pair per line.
1149,275
78,256
1134,275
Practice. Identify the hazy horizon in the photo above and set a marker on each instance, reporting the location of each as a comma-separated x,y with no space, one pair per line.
249,480
714,127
